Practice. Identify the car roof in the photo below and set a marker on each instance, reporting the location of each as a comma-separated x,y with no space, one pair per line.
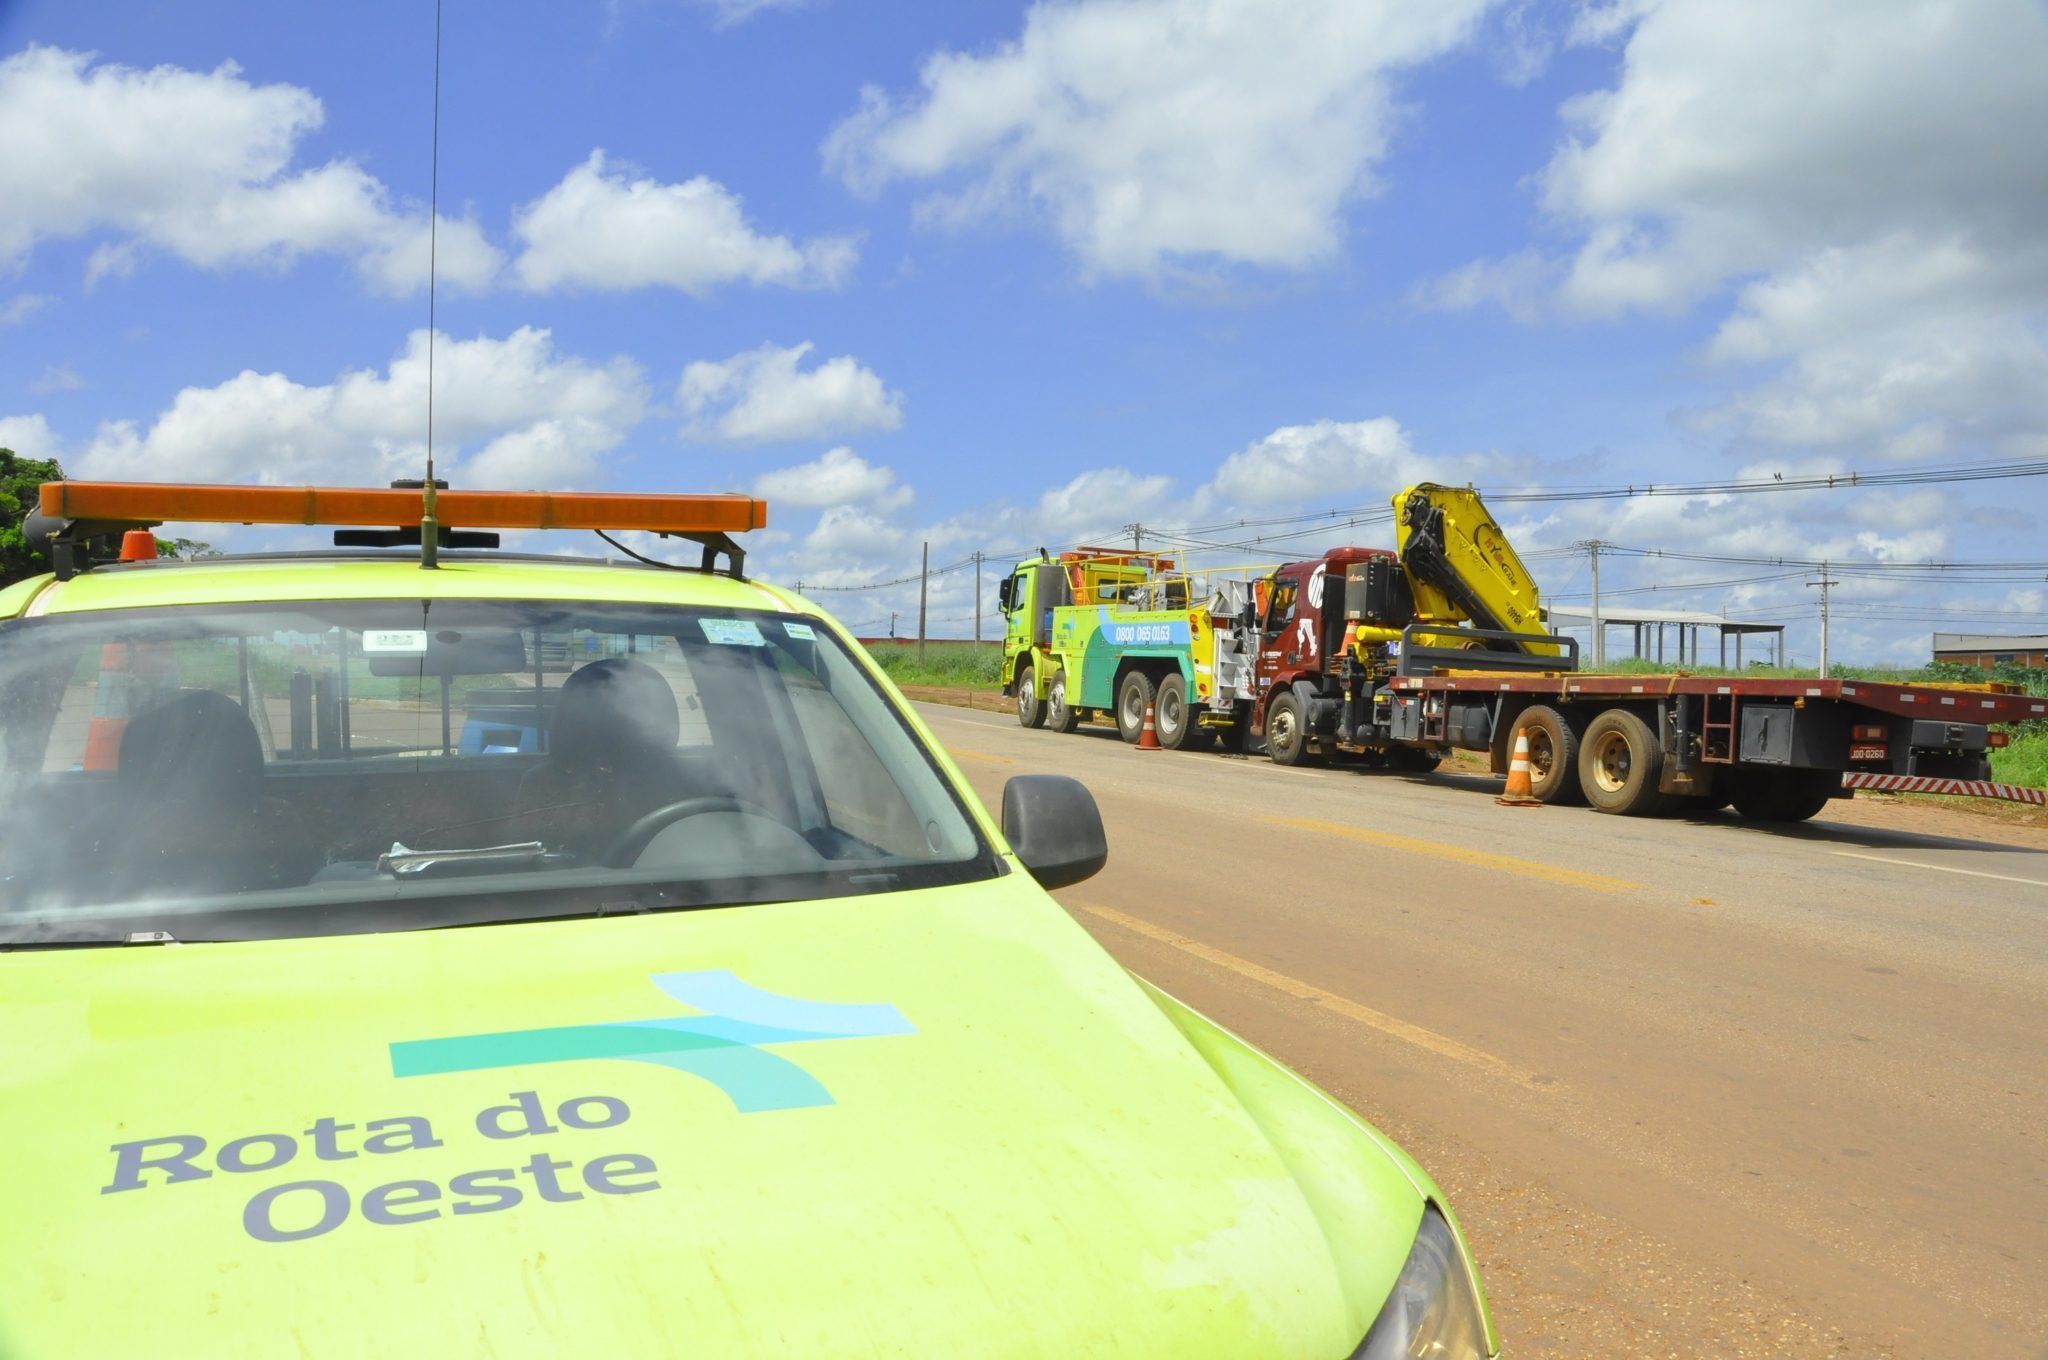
286,578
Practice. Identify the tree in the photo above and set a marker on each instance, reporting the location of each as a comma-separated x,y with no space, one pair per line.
20,559
19,478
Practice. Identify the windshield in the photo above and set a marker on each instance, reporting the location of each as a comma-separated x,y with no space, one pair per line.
305,769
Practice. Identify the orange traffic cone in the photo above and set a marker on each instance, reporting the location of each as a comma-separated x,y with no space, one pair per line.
133,676
1148,735
1519,792
110,707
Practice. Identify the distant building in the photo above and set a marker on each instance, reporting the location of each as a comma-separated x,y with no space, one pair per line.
1990,649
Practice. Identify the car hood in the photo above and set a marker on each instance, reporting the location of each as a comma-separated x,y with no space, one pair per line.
939,1122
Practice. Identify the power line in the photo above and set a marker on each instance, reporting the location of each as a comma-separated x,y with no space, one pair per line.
1929,475
1865,565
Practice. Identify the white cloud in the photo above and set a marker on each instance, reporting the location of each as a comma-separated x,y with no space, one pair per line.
839,477
598,229
199,164
22,306
764,395
726,13
853,532
539,418
1600,21
1079,507
56,378
1864,188
1307,464
1154,133
29,436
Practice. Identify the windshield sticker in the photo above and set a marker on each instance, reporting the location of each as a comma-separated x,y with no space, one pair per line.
801,631
733,632
394,641
723,1045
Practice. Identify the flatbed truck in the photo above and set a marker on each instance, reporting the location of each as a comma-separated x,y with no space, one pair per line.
1392,659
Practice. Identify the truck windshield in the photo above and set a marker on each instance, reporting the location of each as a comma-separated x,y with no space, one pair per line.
303,769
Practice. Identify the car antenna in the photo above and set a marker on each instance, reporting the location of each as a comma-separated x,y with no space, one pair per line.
430,527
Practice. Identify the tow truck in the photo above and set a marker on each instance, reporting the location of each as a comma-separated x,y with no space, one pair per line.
378,926
1393,658
1101,632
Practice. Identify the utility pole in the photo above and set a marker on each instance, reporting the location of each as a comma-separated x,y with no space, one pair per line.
977,596
924,577
1825,583
1137,540
1593,547
892,625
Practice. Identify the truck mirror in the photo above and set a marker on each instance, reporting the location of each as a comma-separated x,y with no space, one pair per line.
1052,823
1006,593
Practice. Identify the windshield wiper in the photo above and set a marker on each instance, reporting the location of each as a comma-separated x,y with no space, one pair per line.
60,941
405,862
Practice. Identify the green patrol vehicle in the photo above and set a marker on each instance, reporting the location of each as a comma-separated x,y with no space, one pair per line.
532,957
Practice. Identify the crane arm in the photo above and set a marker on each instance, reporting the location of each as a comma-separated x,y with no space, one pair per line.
1461,566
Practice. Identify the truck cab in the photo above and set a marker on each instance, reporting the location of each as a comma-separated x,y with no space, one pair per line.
1336,630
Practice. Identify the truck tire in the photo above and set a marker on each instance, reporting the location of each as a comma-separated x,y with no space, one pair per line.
1060,715
1133,692
1783,795
1287,738
1413,759
1553,755
1620,764
1178,725
1030,708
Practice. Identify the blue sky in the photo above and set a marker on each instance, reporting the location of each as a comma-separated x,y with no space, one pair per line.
996,275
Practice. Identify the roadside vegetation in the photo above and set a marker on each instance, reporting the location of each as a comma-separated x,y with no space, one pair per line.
962,665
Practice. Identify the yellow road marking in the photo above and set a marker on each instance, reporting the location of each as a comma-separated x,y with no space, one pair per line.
1438,1044
1507,864
981,755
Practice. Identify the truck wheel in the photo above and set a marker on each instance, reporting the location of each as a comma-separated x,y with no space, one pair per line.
1783,795
1176,725
1060,715
1620,764
1413,759
1030,709
1132,695
1553,755
1287,731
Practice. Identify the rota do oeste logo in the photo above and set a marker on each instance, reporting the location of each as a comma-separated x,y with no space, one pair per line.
725,1045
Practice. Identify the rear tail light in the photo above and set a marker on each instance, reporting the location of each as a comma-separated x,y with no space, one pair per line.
1868,732
1998,741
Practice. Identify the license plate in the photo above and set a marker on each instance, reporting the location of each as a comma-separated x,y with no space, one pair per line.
1867,753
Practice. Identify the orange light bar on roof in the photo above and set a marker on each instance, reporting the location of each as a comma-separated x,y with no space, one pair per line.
161,502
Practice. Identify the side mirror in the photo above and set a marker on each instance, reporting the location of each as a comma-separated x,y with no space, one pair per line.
1005,593
1052,823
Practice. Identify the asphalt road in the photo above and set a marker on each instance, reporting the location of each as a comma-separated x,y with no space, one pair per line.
1696,1088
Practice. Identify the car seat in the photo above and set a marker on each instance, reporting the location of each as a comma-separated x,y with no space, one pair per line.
611,756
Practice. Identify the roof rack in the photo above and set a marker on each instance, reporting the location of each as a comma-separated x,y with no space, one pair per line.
82,522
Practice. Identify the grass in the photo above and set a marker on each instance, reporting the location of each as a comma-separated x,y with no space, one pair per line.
2023,762
951,664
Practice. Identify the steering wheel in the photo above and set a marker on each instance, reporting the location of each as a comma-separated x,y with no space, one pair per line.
627,847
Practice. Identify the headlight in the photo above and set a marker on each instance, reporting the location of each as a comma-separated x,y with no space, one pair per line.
1433,1311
